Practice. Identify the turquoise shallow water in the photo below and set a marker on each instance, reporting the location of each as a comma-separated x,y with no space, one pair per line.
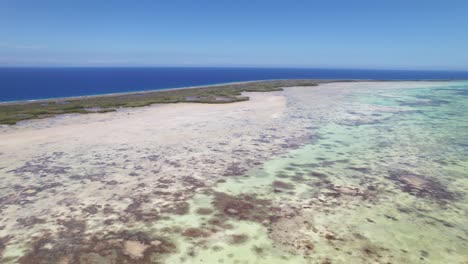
355,173
386,191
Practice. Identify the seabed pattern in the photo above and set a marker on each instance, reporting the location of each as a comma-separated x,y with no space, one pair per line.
367,172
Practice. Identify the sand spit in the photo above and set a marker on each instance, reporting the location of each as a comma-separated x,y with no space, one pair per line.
191,183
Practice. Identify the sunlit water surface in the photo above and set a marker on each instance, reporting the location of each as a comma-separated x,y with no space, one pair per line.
383,180
389,191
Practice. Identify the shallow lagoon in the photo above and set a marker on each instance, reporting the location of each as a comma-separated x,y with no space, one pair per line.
376,173
388,191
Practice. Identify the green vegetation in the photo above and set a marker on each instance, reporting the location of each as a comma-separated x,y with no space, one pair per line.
10,113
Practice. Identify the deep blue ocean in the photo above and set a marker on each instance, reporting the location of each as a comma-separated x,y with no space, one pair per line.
39,83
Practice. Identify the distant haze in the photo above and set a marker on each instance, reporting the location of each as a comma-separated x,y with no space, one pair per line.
397,34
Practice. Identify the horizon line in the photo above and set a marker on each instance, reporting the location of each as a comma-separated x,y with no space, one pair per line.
232,67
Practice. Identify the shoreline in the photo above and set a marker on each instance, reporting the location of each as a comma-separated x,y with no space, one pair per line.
13,112
125,93
328,161
78,97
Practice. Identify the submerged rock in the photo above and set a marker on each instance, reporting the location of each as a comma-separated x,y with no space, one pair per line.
422,186
244,207
111,248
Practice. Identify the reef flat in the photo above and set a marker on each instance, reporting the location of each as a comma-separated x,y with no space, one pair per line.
12,112
351,172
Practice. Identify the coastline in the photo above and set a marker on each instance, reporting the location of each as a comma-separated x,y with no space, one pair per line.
328,161
43,100
122,93
13,112
78,97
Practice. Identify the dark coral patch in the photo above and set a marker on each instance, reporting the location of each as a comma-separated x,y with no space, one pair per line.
220,222
371,251
258,250
91,209
192,182
282,185
318,175
179,208
422,186
204,211
234,169
136,209
298,178
30,221
306,245
359,169
244,207
119,248
195,232
3,242
22,196
238,239
42,166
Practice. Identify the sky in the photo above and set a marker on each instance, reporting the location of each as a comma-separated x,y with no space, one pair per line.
365,34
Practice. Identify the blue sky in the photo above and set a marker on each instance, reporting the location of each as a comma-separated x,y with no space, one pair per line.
386,34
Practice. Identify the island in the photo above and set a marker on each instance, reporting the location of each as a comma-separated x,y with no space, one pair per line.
284,171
